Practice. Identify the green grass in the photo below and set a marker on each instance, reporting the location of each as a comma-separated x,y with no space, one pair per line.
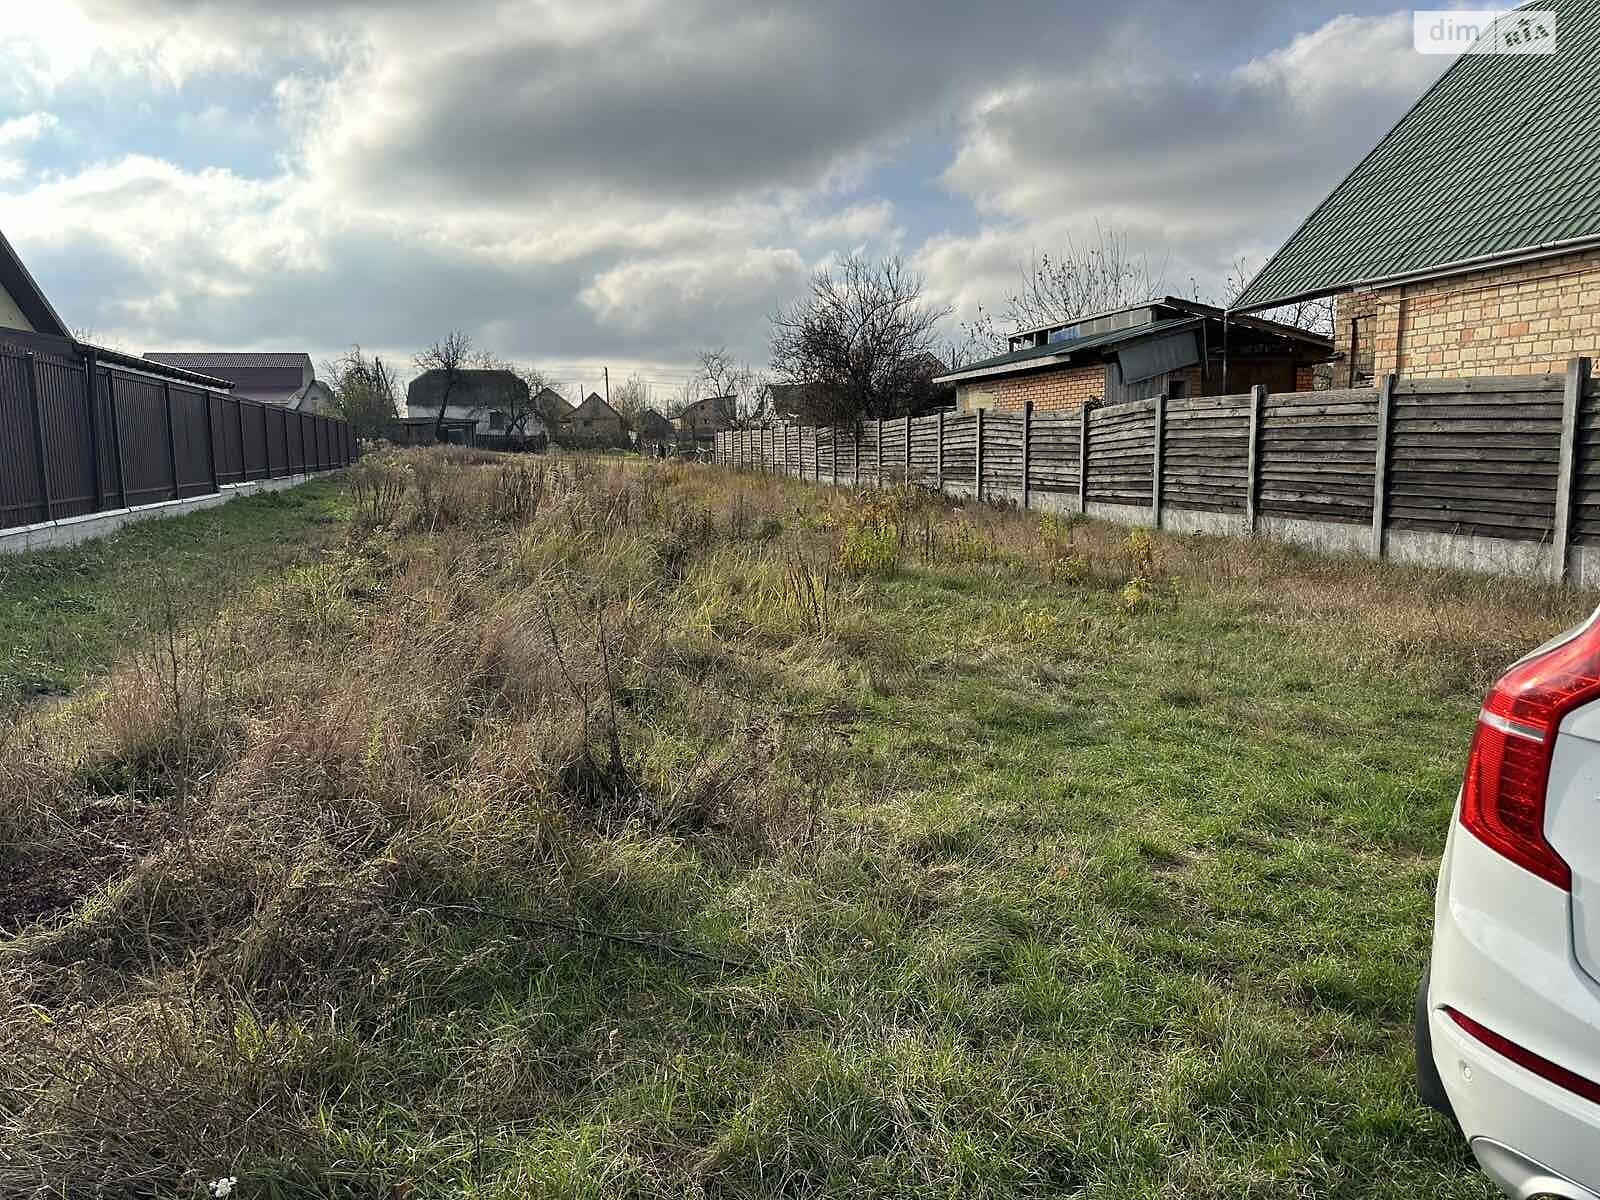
69,614
1054,893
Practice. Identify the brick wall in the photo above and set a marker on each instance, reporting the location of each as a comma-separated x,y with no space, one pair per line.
1520,320
1065,389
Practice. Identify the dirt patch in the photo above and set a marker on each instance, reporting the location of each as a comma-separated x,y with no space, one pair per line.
37,884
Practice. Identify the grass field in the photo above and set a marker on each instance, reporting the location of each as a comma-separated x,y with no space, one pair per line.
68,613
584,830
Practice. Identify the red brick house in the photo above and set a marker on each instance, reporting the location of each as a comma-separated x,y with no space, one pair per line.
1179,347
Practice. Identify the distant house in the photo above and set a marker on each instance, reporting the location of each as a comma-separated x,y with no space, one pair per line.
550,412
808,402
655,433
1468,241
287,379
490,399
23,305
704,419
1169,346
596,423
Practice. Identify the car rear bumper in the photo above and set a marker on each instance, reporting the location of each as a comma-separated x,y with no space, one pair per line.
1502,955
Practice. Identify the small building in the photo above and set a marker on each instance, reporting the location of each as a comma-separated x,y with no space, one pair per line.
706,418
654,433
424,431
595,423
282,378
550,411
1171,346
491,399
1468,241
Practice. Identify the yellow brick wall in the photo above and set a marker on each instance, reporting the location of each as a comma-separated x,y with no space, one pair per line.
1527,319
1064,390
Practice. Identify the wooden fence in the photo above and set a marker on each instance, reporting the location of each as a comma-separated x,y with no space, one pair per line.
1501,473
80,436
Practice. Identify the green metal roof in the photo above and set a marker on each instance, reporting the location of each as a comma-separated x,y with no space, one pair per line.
1501,156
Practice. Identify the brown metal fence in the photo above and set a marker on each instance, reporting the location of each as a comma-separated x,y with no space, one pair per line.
69,447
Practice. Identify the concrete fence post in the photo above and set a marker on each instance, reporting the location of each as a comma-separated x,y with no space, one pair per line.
977,458
1027,445
1083,458
908,450
1380,464
1158,446
938,466
855,454
877,443
1252,483
1571,408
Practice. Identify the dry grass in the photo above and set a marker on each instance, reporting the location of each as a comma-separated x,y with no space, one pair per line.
555,706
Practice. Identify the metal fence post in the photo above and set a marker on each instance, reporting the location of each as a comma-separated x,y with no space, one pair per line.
172,438
1380,465
211,443
116,436
1571,405
1155,466
977,458
94,428
1027,441
938,469
41,446
1083,458
1252,483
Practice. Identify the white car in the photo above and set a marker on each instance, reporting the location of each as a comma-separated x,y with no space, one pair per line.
1508,1015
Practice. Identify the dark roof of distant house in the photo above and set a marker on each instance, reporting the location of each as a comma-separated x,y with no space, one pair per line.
1182,314
27,293
725,403
653,424
594,408
1497,161
474,388
551,405
221,360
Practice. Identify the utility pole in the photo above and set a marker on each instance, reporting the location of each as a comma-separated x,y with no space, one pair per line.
607,371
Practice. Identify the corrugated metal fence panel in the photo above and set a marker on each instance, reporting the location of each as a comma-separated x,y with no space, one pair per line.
1205,453
278,440
109,438
69,449
191,417
146,450
255,440
1318,453
293,433
1122,452
1053,452
21,493
1002,451
1480,462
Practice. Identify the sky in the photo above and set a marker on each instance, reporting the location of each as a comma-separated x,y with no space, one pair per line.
621,184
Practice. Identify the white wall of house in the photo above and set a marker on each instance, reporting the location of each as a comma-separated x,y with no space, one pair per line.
10,315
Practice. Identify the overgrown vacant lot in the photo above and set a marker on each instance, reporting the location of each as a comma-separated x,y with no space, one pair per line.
574,829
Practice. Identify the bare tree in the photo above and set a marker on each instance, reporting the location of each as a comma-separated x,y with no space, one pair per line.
1314,316
631,397
859,343
1081,278
363,390
451,354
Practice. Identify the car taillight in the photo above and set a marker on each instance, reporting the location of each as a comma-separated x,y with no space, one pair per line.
1508,770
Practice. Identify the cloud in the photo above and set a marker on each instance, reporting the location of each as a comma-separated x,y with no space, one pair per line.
632,180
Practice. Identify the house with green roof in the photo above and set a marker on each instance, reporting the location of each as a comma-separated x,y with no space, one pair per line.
1468,241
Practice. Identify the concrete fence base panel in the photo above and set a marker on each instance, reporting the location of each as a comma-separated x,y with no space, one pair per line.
70,531
1491,474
